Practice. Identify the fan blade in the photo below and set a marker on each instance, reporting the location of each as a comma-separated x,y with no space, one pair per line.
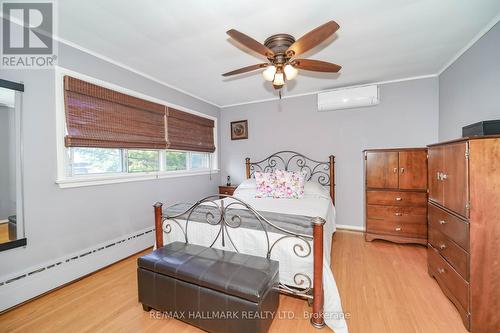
250,43
312,39
316,65
245,69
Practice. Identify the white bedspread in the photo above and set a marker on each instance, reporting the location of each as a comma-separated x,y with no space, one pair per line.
253,242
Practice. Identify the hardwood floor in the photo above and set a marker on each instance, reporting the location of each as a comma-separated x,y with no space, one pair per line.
384,288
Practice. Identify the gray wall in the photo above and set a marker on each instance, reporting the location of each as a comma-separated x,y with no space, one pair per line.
61,221
406,117
469,90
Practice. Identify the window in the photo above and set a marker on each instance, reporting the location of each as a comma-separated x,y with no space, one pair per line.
109,134
85,161
143,160
182,160
95,161
200,161
176,160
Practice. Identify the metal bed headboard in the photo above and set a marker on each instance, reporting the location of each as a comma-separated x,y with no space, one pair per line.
321,172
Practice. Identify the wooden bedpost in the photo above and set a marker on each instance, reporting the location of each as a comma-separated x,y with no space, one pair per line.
332,178
247,163
158,224
317,319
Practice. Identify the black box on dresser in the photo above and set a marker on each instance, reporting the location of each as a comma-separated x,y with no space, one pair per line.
486,127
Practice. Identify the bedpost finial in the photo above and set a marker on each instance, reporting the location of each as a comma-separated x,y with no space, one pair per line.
318,221
248,167
157,204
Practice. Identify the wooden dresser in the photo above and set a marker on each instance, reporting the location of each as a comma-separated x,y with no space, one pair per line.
396,195
464,228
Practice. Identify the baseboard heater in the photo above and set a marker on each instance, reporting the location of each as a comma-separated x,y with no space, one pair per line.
20,287
76,257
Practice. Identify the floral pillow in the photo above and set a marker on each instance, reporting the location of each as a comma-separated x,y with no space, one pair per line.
289,184
266,182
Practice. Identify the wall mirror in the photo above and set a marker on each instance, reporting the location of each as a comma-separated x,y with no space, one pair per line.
11,184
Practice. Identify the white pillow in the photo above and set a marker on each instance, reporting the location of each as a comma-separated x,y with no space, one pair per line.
248,184
315,189
245,193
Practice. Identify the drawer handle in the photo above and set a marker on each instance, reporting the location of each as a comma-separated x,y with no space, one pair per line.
398,214
399,199
402,170
398,229
395,170
442,246
438,175
442,222
440,270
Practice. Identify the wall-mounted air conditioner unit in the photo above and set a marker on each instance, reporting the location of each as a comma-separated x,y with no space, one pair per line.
348,98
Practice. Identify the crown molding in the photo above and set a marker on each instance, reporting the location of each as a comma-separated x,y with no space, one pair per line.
473,41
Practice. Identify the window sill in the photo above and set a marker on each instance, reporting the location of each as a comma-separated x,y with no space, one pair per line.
96,180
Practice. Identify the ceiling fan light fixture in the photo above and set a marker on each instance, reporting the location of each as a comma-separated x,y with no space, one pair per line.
269,73
290,72
279,79
281,51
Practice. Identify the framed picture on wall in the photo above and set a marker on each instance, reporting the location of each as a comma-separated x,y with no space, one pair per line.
239,130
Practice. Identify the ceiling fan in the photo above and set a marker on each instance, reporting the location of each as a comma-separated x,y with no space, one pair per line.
282,50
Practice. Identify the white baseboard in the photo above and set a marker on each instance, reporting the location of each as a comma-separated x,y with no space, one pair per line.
350,227
22,286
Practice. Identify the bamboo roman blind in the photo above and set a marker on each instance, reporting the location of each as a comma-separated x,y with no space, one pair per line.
186,131
104,118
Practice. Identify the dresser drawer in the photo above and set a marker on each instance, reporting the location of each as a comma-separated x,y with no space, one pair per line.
450,225
227,190
454,254
395,228
396,198
452,284
398,214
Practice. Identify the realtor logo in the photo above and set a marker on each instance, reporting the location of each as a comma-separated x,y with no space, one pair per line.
27,35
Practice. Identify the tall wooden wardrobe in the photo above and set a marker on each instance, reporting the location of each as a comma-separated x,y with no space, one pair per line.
464,228
396,195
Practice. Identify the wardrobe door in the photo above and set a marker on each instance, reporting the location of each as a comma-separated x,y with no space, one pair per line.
455,178
413,170
435,167
382,170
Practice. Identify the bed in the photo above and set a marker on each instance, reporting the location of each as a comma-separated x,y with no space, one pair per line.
296,232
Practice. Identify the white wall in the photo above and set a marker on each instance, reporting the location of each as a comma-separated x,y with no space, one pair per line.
62,221
406,117
469,90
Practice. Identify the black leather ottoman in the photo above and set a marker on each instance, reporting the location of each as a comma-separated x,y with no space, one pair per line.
215,290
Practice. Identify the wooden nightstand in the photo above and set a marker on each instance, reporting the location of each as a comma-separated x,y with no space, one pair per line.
228,190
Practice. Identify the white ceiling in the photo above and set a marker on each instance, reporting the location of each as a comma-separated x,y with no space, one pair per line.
183,43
